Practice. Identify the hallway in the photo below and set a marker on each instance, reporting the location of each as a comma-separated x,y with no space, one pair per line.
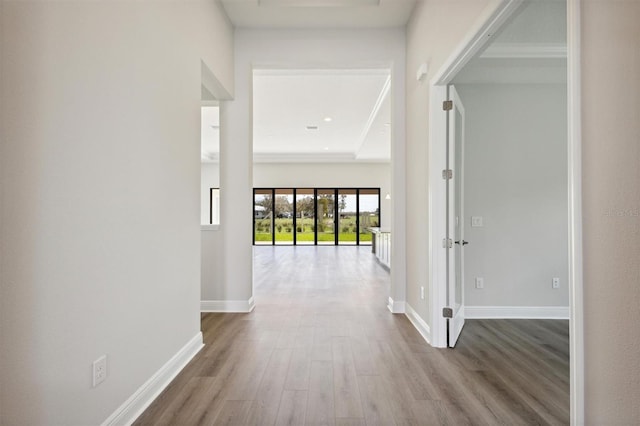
322,348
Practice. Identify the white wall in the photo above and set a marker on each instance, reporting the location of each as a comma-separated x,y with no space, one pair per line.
209,178
611,210
298,49
100,201
334,175
515,178
434,31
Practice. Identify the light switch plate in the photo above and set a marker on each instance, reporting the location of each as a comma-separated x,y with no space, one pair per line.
477,222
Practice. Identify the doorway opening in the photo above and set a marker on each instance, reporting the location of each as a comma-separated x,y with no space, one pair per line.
530,185
321,139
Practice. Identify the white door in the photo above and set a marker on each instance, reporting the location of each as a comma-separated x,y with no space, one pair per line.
455,218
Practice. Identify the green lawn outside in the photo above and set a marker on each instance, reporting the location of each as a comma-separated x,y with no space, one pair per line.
308,236
305,230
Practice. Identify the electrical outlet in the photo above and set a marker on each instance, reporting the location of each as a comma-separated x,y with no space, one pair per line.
479,282
422,292
555,283
99,370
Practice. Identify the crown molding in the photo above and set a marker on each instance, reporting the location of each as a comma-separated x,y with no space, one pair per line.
525,51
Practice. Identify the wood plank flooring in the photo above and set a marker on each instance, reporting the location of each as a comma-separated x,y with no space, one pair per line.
321,348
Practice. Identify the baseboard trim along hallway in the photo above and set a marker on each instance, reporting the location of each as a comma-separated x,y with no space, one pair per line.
422,327
128,412
230,306
516,312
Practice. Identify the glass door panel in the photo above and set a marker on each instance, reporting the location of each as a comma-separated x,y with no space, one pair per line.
263,216
325,216
369,213
347,216
305,217
284,216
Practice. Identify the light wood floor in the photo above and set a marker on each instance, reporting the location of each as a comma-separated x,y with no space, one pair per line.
321,348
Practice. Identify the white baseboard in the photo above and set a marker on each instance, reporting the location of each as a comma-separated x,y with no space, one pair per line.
128,412
227,305
396,307
422,327
516,312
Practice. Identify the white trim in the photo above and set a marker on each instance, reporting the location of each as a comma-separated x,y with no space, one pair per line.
227,305
209,227
396,307
525,51
374,113
128,412
516,312
576,330
420,325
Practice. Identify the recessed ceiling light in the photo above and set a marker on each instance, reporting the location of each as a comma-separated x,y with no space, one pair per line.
326,148
312,127
328,119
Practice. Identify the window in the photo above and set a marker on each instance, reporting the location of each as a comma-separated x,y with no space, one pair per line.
315,216
347,216
262,216
305,217
284,216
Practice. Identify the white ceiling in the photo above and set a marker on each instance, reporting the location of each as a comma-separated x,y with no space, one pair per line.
321,115
313,116
306,14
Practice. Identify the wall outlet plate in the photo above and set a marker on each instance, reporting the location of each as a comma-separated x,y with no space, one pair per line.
479,282
99,370
555,283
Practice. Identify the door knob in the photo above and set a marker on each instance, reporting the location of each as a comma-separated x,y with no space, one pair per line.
464,243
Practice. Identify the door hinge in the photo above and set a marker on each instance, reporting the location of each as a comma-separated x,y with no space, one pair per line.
447,105
447,312
447,243
447,174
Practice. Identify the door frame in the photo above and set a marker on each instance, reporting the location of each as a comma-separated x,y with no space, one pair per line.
489,22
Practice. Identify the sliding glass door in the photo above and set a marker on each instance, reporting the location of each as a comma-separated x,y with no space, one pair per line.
305,217
309,216
325,206
284,216
263,216
347,216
